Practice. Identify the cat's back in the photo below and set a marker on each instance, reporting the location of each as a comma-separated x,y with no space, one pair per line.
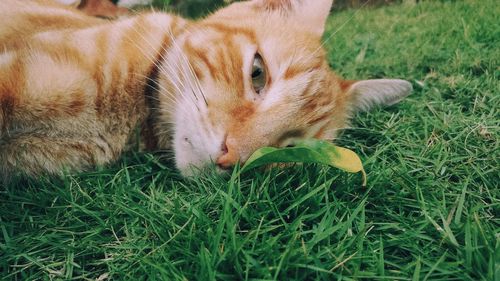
72,87
22,19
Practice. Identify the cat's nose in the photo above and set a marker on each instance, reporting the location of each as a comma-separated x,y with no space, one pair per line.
229,156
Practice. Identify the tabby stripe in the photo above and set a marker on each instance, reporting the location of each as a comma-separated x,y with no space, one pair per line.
298,68
227,29
199,56
11,84
99,61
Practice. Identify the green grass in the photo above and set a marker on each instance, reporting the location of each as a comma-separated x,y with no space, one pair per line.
430,211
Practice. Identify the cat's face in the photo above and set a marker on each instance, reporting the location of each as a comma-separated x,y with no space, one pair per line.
251,75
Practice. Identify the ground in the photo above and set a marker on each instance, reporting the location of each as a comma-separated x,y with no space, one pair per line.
430,210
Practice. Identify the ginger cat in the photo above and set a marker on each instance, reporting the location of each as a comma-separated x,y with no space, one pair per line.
74,88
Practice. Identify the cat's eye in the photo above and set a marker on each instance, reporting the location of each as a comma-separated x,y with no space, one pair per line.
258,74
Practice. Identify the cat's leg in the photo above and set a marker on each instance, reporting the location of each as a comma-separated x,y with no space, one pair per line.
35,155
48,118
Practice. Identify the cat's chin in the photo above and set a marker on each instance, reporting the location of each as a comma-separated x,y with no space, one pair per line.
207,170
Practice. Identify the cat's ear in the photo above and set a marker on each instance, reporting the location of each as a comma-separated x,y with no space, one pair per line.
310,14
366,94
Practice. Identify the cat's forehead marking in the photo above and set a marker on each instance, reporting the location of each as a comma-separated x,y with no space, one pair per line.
199,56
221,56
229,30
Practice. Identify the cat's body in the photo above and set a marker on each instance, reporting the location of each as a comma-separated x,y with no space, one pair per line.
73,88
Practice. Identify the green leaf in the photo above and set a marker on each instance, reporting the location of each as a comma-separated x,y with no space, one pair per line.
308,151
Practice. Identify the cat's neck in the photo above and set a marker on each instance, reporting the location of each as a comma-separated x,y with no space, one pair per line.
156,37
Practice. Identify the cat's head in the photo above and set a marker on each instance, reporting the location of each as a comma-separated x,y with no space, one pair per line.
255,74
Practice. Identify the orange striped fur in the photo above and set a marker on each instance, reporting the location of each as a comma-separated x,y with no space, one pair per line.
73,88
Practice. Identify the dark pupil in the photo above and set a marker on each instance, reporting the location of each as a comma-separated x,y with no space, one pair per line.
256,73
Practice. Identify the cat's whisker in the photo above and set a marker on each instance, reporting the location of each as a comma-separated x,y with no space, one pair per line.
163,92
176,82
178,67
173,99
130,40
195,78
188,71
161,58
166,121
155,83
186,74
173,73
159,88
163,109
189,75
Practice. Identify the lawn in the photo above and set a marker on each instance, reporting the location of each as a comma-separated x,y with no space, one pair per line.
430,210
